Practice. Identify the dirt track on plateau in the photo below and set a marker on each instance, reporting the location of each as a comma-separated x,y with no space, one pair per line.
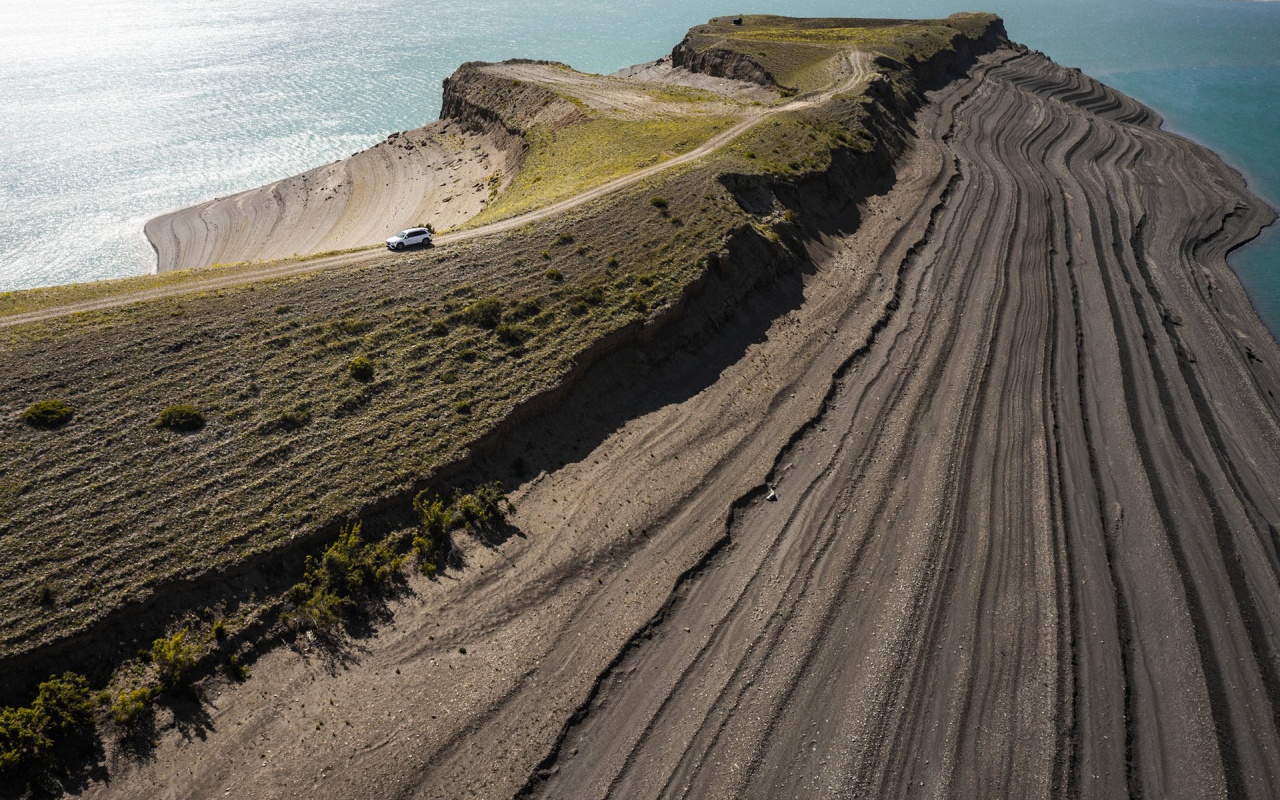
1023,435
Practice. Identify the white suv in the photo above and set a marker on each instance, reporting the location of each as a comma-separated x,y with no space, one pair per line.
409,238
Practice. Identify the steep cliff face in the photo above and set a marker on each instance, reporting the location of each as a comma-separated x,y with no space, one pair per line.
487,103
721,63
727,57
960,53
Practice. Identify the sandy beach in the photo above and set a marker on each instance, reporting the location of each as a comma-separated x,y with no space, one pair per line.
440,174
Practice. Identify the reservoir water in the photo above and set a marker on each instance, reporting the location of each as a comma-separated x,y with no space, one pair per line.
114,111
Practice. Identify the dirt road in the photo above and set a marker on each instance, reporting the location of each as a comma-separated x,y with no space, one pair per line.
1023,434
219,279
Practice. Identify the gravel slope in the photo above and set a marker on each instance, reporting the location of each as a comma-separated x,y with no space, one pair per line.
1022,430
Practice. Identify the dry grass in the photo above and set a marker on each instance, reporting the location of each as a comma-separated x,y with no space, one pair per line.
563,162
108,508
804,54
105,509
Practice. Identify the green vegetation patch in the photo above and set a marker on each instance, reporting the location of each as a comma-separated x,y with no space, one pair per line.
348,570
564,162
803,54
182,418
63,709
361,369
48,414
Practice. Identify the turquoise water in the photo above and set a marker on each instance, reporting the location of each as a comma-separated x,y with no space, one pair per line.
113,111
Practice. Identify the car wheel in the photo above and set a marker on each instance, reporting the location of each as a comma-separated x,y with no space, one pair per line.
396,246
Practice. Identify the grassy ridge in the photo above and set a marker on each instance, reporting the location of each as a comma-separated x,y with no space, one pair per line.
324,393
566,161
803,55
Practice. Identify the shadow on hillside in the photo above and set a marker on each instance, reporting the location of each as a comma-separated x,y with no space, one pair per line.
714,333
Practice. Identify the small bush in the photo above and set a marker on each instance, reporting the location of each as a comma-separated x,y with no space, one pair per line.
484,313
439,328
582,250
593,295
182,418
48,414
361,369
425,552
66,704
174,659
63,709
564,238
486,506
524,309
660,203
637,303
129,707
546,256
219,630
513,335
236,668
612,262
554,274
462,407
24,742
348,570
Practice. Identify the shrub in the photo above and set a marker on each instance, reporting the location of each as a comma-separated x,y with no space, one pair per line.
439,328
554,274
593,295
612,263
524,309
660,203
129,706
637,303
236,668
219,630
23,739
183,418
513,335
66,704
349,569
174,659
63,708
484,507
564,238
546,256
484,313
425,551
48,414
462,407
45,594
361,369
